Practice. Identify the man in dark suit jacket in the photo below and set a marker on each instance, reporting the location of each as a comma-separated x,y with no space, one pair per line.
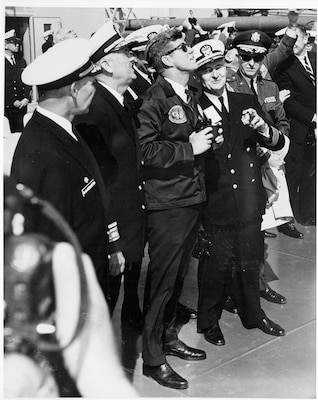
298,74
16,92
55,163
110,132
235,199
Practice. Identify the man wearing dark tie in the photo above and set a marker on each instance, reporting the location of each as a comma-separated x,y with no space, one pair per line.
110,132
298,74
235,199
16,92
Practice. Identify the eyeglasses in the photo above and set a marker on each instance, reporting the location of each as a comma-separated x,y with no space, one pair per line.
256,59
182,46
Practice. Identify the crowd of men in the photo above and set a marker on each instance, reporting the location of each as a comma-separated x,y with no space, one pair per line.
149,139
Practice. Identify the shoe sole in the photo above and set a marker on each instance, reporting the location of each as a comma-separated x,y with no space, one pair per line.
170,353
148,375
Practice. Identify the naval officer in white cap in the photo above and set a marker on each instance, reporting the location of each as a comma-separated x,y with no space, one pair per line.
111,134
55,163
236,199
137,42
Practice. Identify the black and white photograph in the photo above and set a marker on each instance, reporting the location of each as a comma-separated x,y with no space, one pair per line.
159,199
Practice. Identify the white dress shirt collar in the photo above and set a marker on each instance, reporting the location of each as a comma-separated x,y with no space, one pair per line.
215,99
114,92
9,58
61,121
178,88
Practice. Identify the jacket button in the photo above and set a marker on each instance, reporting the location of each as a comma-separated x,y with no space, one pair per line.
232,171
251,164
229,155
234,186
140,187
143,206
248,149
253,180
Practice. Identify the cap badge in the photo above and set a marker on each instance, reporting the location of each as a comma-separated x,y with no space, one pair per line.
206,50
151,35
255,37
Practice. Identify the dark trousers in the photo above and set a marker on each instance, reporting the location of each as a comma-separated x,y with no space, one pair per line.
301,179
233,266
171,239
131,279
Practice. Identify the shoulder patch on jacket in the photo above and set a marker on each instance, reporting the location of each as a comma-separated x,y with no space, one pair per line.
177,115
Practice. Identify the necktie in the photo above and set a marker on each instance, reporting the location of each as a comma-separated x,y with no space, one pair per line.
189,98
253,87
12,60
224,111
309,69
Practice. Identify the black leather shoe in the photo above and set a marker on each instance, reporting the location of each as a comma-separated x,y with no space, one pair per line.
269,327
270,295
270,234
133,319
230,306
165,376
186,311
214,335
290,229
179,349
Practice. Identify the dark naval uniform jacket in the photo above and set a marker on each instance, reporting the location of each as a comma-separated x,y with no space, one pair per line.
15,89
235,193
60,170
110,132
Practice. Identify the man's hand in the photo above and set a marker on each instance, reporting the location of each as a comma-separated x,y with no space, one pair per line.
293,15
284,95
253,120
23,102
116,263
201,141
20,103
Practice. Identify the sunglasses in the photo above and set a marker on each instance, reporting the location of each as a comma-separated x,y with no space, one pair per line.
182,46
256,59
13,41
